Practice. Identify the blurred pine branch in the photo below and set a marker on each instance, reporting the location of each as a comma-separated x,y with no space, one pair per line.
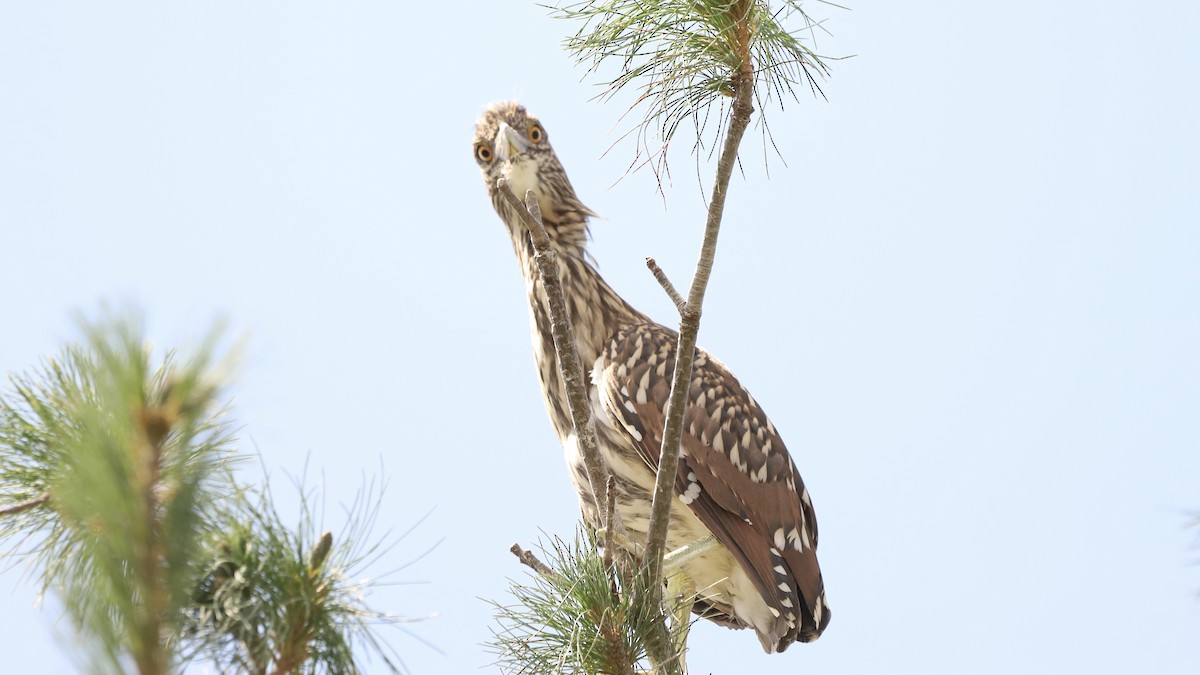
117,489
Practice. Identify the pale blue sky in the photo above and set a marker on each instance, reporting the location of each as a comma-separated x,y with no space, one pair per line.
970,302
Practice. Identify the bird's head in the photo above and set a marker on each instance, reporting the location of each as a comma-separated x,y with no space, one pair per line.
512,144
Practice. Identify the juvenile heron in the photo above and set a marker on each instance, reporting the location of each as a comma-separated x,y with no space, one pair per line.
735,479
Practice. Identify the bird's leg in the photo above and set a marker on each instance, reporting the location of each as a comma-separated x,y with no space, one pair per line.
617,536
676,559
681,594
681,589
671,561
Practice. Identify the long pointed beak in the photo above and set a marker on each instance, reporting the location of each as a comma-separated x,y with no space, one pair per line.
508,143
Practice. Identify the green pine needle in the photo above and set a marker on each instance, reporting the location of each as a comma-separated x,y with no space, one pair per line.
276,598
683,57
585,618
124,452
116,487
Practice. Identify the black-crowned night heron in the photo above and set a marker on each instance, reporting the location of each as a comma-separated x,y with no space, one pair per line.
735,482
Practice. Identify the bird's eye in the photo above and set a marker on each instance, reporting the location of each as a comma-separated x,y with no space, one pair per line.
536,134
483,153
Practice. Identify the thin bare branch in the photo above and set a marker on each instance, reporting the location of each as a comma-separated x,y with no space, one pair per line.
564,344
610,506
25,505
529,559
661,276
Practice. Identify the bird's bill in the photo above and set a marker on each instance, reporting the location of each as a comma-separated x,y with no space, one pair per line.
509,143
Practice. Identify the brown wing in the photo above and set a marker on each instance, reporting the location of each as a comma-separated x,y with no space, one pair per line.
734,472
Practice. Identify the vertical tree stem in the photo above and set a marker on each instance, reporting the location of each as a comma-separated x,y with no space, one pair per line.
149,654
689,325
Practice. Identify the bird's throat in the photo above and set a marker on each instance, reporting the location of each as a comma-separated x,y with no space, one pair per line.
522,177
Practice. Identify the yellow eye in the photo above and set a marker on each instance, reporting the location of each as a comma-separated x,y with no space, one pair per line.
483,153
536,134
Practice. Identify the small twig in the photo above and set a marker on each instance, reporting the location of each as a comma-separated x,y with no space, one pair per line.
531,560
564,344
661,276
610,499
25,505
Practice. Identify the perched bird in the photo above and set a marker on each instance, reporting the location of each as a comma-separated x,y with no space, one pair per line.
735,478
